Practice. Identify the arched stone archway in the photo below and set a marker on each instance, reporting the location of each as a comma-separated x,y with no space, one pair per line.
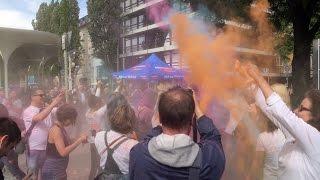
13,39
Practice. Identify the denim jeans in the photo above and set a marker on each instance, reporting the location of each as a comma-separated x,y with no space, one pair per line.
11,162
35,161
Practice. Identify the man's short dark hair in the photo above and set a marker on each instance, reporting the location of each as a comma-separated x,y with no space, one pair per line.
176,108
10,128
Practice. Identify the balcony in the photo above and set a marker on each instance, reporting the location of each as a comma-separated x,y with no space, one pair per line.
131,9
132,30
149,51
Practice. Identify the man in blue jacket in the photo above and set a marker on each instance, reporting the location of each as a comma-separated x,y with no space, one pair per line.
169,152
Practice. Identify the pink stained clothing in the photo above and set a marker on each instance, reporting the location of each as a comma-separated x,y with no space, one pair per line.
39,134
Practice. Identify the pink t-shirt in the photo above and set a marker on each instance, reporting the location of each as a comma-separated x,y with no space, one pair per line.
39,134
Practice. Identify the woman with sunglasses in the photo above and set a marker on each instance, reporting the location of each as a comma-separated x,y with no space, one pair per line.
299,158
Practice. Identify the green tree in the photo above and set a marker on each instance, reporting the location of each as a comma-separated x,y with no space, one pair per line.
69,21
105,28
304,17
298,22
41,21
59,17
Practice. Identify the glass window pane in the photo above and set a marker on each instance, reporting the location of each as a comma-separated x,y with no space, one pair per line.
127,3
134,41
128,23
134,20
127,42
141,19
141,39
134,24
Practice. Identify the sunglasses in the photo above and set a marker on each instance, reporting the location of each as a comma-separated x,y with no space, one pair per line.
301,108
41,95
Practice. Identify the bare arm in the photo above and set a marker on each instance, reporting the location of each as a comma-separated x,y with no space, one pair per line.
255,74
60,145
44,113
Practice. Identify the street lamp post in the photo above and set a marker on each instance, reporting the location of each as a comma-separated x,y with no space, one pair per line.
66,37
71,64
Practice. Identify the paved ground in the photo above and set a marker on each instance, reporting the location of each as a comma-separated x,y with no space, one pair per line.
79,163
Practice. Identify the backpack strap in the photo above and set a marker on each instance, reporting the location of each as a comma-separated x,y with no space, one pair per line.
111,166
108,145
194,171
117,145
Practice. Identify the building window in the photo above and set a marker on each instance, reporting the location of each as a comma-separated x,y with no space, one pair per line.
140,2
140,21
122,6
134,23
128,45
127,26
141,42
134,44
127,5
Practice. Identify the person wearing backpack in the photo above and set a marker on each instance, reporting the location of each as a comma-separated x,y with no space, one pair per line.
114,146
169,152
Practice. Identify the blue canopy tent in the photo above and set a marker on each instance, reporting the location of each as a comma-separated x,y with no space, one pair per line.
153,68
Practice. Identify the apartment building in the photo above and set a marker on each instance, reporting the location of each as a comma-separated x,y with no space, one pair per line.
142,37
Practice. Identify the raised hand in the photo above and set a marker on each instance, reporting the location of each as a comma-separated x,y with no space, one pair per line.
59,98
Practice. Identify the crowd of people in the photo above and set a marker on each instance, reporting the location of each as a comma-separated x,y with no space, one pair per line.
139,131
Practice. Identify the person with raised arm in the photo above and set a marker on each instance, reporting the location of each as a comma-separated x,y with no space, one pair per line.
38,119
299,158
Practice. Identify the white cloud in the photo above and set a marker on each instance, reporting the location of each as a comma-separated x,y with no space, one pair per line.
33,5
15,19
19,13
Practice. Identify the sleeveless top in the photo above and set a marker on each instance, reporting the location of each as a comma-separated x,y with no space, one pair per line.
55,165
52,151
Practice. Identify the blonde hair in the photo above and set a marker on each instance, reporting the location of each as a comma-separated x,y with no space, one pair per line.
283,92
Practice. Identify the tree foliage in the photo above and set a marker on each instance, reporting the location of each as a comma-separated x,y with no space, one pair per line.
105,28
59,17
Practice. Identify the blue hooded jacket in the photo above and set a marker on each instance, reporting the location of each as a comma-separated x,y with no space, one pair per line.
162,156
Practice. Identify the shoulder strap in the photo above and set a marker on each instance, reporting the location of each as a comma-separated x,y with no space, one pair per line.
194,171
33,124
28,133
108,145
117,145
111,167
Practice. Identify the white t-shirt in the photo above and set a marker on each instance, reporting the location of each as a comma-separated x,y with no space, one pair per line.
39,134
271,143
120,155
97,118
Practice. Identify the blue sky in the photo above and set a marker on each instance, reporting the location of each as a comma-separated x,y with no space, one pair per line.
19,13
